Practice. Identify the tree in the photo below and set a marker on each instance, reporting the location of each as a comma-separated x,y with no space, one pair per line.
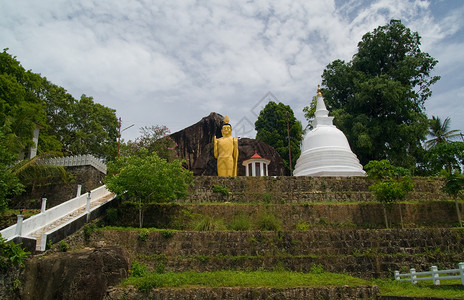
147,178
445,156
94,130
391,184
440,132
21,107
67,125
309,112
378,97
9,183
454,184
153,138
272,128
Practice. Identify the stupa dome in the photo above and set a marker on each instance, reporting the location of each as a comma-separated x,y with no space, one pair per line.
325,149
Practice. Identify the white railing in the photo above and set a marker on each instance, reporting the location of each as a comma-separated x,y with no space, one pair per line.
433,274
38,221
78,160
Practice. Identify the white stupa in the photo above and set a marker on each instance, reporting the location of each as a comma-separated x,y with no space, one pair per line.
325,149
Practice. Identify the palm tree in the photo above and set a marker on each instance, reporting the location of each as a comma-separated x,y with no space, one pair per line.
440,132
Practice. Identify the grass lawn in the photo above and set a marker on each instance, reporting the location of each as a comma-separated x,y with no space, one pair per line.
283,279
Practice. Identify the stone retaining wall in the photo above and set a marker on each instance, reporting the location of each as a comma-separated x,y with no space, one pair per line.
363,215
301,189
343,292
362,253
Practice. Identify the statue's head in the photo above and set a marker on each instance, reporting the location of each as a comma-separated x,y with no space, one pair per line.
226,128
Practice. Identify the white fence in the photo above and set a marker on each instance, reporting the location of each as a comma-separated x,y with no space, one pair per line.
78,160
433,274
38,221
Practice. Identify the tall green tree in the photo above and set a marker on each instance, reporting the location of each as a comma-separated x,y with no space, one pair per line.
94,130
153,138
445,156
391,184
378,97
147,178
439,132
454,184
9,183
21,106
272,128
67,125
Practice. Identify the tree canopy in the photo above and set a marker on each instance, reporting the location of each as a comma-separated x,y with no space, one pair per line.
454,184
391,184
9,183
440,132
67,125
153,138
147,178
378,97
271,128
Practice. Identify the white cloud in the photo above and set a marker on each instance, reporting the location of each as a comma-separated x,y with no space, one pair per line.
173,62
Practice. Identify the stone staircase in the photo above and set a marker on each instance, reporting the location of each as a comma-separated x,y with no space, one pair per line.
58,221
38,234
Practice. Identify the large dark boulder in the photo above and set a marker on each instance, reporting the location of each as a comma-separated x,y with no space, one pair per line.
195,146
84,274
192,140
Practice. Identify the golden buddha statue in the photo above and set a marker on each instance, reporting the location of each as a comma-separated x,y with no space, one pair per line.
226,151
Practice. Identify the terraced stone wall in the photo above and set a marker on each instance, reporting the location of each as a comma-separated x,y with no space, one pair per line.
362,253
362,215
301,189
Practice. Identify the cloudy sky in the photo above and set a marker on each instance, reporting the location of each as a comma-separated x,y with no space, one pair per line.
173,62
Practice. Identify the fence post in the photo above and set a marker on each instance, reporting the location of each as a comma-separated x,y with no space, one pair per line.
44,205
87,207
43,242
461,272
435,275
397,275
19,224
413,276
79,189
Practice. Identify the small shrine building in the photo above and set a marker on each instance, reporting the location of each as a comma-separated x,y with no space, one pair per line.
256,165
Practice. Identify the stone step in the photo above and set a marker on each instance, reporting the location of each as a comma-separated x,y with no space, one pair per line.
66,218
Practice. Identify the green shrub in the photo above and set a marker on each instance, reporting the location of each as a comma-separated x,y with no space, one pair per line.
267,197
323,221
138,269
207,223
222,190
88,230
269,221
241,223
317,269
112,216
63,246
160,267
11,254
302,226
143,235
167,234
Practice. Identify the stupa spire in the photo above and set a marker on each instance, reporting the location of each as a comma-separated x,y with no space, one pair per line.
321,116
